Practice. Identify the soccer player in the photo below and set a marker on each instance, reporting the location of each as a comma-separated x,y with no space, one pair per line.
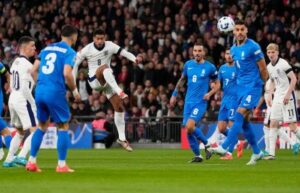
98,55
251,74
54,70
227,77
4,131
197,72
266,128
21,102
283,105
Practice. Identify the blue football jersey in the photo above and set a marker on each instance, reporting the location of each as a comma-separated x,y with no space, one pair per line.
198,76
245,57
51,69
227,76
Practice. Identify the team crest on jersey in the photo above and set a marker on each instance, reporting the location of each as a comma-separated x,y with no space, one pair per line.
105,52
202,72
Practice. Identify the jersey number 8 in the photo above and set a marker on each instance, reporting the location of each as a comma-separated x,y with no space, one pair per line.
49,67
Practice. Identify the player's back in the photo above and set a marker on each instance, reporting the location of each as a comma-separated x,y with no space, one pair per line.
20,79
51,69
245,57
198,79
227,76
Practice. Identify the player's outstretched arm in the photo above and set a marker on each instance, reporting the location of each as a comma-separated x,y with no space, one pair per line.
263,69
34,69
80,56
138,59
70,81
179,84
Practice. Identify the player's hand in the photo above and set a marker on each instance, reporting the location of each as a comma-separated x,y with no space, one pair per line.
77,98
172,101
256,112
206,96
139,59
286,99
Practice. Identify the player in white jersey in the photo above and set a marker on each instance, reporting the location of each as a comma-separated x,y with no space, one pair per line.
98,55
283,105
281,133
21,102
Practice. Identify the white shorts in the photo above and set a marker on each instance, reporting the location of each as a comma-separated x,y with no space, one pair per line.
106,89
23,115
286,113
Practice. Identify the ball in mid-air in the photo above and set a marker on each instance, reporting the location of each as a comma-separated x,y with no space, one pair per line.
225,24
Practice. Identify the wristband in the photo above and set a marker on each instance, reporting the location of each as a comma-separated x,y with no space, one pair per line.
75,92
175,92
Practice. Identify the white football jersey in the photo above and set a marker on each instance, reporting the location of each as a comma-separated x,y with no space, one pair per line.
96,57
278,73
21,81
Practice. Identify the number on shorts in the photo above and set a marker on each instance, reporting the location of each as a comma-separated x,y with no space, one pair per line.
49,68
16,80
291,112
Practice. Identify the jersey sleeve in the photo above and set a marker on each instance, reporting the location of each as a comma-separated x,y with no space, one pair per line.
286,67
257,52
184,71
213,72
220,77
70,59
115,49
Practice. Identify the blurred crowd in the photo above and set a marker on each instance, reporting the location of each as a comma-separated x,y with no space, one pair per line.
162,30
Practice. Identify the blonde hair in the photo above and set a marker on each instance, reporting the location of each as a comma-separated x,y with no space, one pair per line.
273,46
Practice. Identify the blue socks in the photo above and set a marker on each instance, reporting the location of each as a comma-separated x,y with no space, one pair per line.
62,144
7,140
193,144
249,135
231,146
3,124
234,130
199,135
36,141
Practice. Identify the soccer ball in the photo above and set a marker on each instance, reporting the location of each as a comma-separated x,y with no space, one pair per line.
225,24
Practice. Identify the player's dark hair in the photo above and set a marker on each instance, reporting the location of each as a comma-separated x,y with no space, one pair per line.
25,40
198,44
68,31
98,32
239,22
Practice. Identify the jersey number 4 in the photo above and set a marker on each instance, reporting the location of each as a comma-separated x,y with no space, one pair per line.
50,60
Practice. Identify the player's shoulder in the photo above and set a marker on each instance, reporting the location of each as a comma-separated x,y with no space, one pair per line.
282,61
223,66
211,65
252,43
189,62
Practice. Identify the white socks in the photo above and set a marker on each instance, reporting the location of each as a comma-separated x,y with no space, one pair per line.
26,147
267,133
297,133
61,163
272,140
32,159
119,119
285,136
14,146
214,137
111,81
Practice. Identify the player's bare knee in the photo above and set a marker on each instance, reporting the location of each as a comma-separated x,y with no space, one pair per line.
20,131
190,126
99,73
63,126
5,132
44,126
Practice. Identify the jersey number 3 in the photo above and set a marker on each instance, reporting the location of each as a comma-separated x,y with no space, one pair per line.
50,60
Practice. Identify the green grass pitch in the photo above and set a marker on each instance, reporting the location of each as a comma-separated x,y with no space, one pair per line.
154,170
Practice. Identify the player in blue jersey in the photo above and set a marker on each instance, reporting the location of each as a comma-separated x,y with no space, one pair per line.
3,127
198,73
227,78
54,68
251,74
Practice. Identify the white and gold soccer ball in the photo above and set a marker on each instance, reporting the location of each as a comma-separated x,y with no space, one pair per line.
225,24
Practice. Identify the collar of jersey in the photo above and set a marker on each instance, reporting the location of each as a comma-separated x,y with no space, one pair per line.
275,62
101,48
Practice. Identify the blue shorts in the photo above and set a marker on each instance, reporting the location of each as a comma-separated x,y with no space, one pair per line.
226,114
52,106
248,98
194,111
